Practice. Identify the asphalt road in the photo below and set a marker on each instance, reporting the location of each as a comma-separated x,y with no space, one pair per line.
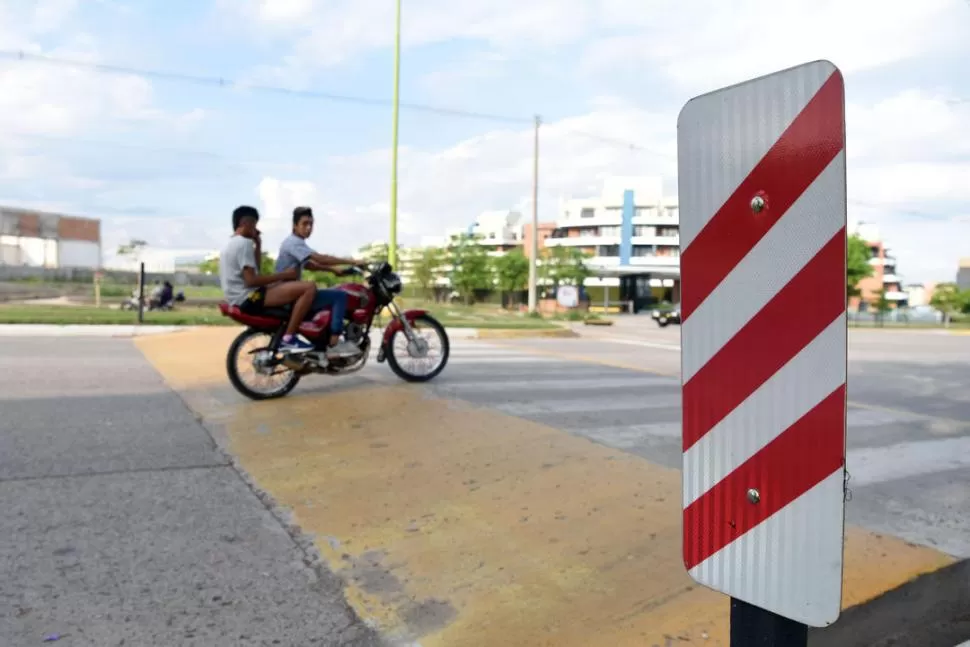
123,525
909,414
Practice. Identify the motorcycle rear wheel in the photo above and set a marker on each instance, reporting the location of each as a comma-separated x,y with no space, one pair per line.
232,368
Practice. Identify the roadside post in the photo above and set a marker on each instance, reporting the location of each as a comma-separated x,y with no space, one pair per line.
761,174
141,293
98,277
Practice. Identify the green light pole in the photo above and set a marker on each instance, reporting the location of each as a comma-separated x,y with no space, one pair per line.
392,243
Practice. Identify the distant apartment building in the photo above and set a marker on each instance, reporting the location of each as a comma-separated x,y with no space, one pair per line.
963,274
545,229
919,294
884,274
631,232
30,238
499,231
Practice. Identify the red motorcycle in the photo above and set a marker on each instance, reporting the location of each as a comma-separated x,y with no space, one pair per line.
275,375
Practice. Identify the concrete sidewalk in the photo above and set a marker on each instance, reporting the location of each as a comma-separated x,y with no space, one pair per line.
124,525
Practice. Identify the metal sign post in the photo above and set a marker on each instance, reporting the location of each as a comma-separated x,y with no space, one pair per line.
761,172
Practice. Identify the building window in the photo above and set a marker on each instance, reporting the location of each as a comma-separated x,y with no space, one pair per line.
644,211
667,232
644,230
587,213
608,250
641,251
609,231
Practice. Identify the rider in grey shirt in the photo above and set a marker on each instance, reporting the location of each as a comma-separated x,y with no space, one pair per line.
295,253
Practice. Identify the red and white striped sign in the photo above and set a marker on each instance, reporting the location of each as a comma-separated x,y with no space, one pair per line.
763,302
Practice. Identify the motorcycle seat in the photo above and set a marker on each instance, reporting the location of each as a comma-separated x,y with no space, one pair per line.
282,312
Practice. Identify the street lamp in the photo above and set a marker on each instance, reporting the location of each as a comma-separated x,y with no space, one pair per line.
392,243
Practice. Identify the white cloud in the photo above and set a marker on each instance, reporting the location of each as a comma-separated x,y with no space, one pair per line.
704,45
439,189
329,33
43,102
898,162
277,199
699,44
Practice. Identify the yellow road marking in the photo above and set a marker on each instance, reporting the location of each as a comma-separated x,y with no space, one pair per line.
461,526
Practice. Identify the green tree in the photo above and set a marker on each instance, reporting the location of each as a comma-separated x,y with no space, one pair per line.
375,253
564,266
470,267
857,264
266,265
883,305
210,266
511,271
133,249
948,299
426,268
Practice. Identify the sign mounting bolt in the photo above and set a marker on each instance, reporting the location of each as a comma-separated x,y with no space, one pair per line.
758,204
754,496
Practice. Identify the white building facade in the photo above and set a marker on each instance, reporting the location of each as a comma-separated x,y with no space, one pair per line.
631,232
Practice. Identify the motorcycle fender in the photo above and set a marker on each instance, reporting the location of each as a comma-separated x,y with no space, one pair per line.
395,324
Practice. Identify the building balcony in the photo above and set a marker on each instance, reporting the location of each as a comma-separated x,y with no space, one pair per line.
656,240
883,262
599,220
603,261
891,278
656,219
666,261
582,241
636,261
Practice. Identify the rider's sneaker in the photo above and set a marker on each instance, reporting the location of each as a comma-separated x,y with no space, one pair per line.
294,345
343,349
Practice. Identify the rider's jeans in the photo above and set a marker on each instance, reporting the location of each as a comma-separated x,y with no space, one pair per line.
336,300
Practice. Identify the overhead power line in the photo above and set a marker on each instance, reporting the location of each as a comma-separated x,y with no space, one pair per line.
225,83
220,82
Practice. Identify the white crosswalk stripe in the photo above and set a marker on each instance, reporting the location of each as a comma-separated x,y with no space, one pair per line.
908,473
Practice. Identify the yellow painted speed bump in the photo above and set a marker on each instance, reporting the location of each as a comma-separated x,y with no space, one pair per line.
454,525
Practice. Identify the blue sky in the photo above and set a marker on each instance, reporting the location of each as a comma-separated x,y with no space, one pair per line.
167,160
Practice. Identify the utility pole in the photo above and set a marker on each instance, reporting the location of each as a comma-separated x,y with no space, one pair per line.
392,243
534,252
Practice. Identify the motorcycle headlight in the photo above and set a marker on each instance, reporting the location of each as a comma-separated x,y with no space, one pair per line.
392,283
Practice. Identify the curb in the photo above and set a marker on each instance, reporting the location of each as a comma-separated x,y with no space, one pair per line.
85,330
929,611
498,333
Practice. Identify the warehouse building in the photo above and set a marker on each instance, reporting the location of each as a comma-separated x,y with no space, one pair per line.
30,238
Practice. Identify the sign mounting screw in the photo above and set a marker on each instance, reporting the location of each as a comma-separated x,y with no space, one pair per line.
758,204
754,496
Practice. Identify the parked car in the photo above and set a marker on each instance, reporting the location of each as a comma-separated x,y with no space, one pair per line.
666,315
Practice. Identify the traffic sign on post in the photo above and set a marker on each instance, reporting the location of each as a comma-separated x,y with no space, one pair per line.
761,171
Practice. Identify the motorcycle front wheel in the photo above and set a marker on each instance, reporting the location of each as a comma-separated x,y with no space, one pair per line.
424,360
253,370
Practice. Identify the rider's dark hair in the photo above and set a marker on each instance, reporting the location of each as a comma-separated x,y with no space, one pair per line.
299,212
243,212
